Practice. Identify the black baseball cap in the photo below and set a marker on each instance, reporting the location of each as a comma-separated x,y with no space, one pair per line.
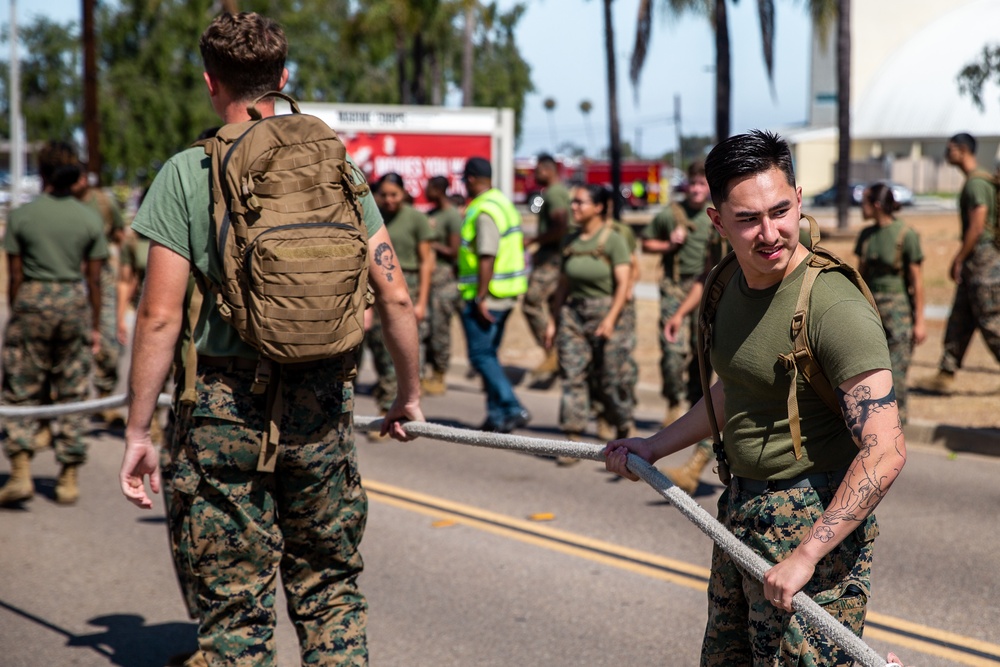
478,166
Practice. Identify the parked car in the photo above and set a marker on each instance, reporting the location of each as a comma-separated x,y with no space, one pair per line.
902,194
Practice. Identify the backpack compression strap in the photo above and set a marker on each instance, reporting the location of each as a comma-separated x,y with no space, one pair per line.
715,284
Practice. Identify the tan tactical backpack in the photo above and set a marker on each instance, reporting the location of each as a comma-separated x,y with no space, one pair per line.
994,180
289,228
799,360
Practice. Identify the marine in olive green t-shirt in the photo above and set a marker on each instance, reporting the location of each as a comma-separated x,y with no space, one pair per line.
589,275
53,235
877,250
978,192
555,198
691,253
444,222
751,330
407,229
175,213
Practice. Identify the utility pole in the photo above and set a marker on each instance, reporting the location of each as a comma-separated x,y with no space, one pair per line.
16,127
678,151
91,119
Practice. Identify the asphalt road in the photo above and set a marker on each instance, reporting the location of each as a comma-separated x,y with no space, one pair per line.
458,573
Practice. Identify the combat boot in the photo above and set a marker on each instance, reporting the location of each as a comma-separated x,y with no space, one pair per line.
67,491
43,436
20,486
434,385
942,383
605,431
686,477
549,365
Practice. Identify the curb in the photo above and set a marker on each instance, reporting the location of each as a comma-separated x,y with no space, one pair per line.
948,437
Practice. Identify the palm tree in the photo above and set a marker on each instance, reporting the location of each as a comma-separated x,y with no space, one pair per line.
550,106
585,108
716,11
614,128
843,111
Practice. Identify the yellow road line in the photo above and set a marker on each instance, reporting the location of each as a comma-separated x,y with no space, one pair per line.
897,631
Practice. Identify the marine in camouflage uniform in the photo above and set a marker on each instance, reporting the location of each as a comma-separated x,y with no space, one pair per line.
446,223
589,362
553,219
47,344
887,256
106,361
238,526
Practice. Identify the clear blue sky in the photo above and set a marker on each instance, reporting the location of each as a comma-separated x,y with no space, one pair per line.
563,41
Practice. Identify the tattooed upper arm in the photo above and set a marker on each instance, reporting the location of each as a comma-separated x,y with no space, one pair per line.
385,257
859,406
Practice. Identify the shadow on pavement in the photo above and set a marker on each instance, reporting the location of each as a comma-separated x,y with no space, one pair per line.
126,640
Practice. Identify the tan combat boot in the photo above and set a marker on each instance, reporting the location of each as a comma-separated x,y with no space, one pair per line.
20,486
67,491
549,365
43,436
687,476
566,461
434,385
942,383
605,431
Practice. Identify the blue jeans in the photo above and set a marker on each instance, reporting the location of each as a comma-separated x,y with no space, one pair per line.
483,341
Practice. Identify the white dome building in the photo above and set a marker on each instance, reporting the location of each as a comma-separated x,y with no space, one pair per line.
906,57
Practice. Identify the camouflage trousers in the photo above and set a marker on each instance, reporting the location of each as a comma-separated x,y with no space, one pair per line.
234,528
897,320
384,392
976,306
106,361
744,627
46,359
679,357
542,284
445,304
629,372
587,362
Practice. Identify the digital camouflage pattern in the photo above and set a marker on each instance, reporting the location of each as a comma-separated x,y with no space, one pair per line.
976,306
234,528
444,305
46,359
629,371
744,628
106,361
897,318
384,391
542,283
678,363
589,363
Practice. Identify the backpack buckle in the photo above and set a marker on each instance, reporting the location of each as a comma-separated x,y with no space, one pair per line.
262,376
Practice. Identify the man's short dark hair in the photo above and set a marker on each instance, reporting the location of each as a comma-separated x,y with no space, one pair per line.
546,160
743,155
439,183
245,52
965,140
696,168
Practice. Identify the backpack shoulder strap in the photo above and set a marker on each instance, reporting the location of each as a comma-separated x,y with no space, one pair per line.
715,285
897,264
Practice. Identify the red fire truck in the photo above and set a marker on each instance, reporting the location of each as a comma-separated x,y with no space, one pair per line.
642,181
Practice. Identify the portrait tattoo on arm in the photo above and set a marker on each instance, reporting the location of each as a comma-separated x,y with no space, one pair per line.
867,482
386,258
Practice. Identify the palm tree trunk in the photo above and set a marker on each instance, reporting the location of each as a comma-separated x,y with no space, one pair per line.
404,88
613,125
470,26
843,111
723,83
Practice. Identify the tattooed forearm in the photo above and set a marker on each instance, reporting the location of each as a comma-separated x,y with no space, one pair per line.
386,258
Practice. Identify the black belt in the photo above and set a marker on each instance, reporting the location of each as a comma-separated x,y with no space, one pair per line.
816,480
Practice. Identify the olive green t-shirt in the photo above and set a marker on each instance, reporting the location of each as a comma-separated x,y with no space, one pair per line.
591,276
626,233
444,222
53,236
407,229
176,214
751,330
555,198
978,192
691,254
877,250
135,254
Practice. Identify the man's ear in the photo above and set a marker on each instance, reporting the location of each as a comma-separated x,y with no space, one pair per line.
716,219
211,83
284,79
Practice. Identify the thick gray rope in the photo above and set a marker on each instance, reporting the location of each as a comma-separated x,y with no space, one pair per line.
750,561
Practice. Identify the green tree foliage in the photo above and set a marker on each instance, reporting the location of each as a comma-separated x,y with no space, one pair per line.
976,74
51,92
152,94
